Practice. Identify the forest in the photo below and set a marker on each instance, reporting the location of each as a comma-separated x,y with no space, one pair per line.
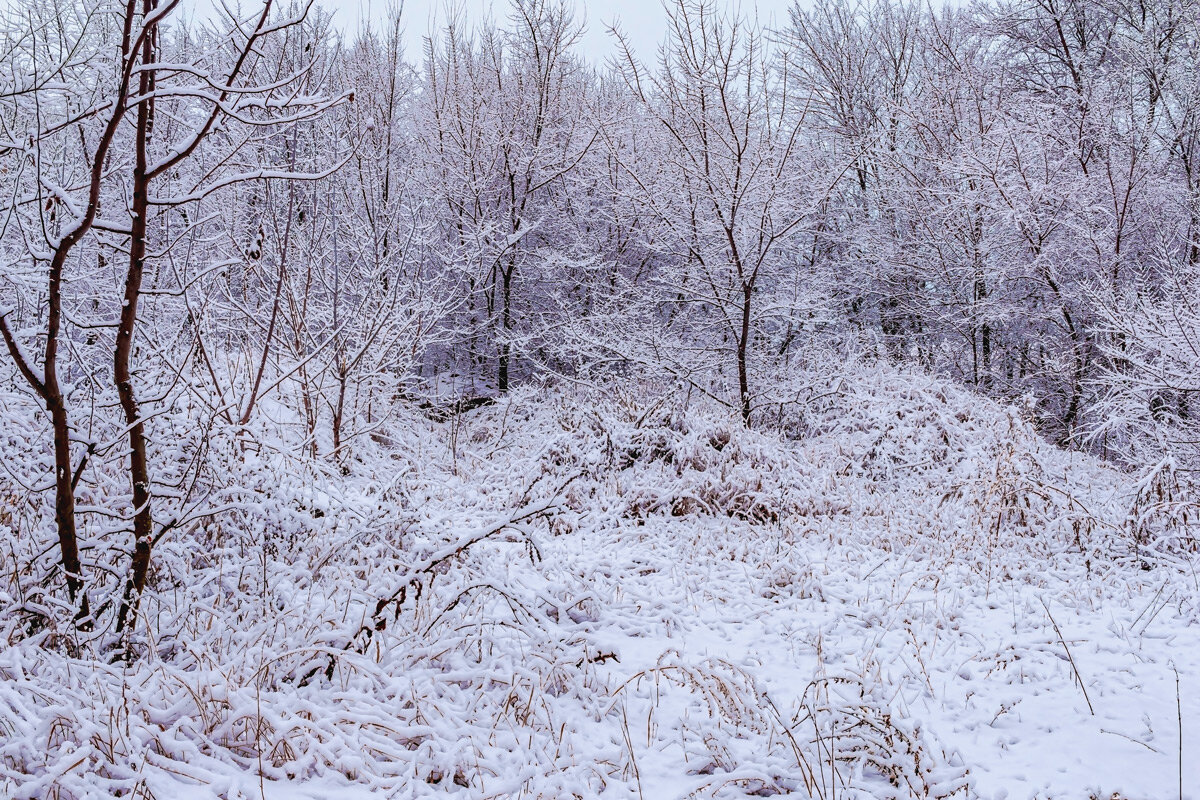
807,408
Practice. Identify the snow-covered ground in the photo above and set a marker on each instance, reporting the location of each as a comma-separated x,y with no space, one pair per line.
626,595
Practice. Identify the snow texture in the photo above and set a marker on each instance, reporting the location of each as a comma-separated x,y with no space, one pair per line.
628,595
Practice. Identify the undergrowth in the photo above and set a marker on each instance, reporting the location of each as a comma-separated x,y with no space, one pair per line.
393,621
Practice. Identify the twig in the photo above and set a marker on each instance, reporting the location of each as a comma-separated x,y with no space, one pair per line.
1131,739
1179,718
637,775
1070,658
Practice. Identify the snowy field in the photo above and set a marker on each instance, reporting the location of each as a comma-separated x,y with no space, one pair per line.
905,594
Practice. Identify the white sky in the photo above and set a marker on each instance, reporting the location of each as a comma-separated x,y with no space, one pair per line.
642,20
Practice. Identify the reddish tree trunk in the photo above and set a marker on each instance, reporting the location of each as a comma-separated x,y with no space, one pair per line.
139,473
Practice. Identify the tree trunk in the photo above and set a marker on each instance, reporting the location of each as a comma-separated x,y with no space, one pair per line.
50,392
339,411
506,326
47,387
64,504
743,347
139,473
983,369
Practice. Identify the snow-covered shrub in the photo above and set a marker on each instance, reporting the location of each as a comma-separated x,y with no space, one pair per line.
1162,519
733,732
498,603
687,461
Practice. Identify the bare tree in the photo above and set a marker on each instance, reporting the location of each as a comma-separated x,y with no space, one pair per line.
153,116
725,188
59,216
502,128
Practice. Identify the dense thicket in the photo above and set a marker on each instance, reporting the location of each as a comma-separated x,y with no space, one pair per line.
206,225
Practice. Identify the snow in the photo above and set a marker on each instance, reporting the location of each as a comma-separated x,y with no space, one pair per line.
624,594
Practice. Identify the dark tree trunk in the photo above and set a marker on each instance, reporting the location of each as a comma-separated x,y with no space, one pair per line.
47,387
139,472
983,369
51,393
339,412
743,347
506,326
64,507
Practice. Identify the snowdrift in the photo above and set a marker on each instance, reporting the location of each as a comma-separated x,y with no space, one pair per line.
895,591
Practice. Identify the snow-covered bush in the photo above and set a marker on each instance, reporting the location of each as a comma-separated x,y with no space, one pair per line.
498,602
